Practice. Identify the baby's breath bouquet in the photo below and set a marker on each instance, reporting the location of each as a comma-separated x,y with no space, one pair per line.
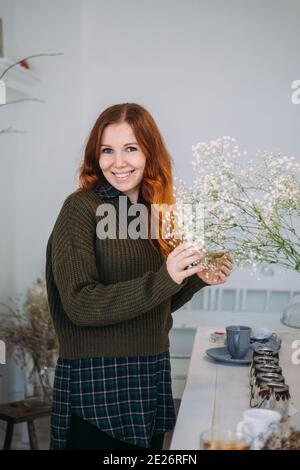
250,208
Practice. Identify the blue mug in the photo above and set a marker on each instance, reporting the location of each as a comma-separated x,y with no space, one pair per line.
238,340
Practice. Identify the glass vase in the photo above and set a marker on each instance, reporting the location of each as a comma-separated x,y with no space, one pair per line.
38,388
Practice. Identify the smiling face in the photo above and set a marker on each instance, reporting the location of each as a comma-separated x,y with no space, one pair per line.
121,159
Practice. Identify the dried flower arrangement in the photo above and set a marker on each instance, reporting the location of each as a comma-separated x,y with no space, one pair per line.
28,330
289,441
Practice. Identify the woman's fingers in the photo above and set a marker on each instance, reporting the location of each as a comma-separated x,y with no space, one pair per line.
190,271
228,257
221,278
184,247
220,263
180,248
189,251
183,263
226,263
222,268
225,270
180,264
181,257
223,256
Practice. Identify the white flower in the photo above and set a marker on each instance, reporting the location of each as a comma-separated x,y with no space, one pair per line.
248,206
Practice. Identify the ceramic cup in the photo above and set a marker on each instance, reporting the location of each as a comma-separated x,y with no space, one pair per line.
259,423
238,340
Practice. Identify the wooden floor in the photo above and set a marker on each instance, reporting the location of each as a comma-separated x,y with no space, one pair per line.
43,433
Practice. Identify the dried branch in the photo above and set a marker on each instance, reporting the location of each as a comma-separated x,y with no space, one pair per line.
27,58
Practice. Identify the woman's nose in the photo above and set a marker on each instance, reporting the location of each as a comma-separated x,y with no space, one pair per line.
119,159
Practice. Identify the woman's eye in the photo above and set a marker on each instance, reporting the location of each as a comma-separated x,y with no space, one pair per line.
109,149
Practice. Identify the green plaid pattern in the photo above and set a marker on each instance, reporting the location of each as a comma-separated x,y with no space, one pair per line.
129,398
106,190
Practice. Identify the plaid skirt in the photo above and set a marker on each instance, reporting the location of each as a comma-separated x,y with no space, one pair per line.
129,398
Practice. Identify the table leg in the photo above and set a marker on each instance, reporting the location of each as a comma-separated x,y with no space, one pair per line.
8,435
32,436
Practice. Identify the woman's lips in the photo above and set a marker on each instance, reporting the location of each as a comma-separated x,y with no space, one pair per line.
123,176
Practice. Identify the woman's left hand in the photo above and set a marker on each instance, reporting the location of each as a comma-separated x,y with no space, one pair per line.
220,271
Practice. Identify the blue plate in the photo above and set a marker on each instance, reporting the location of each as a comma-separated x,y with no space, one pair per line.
223,355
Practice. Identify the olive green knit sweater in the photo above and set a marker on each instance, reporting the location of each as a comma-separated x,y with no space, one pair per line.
108,297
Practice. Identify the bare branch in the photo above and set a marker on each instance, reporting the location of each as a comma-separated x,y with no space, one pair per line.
26,58
9,130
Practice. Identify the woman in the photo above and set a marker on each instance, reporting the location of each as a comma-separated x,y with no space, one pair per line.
111,297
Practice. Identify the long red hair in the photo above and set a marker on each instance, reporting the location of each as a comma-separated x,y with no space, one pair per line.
157,184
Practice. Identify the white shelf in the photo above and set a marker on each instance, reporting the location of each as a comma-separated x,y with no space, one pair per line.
18,78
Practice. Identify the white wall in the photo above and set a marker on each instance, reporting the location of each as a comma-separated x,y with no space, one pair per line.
8,163
203,68
51,150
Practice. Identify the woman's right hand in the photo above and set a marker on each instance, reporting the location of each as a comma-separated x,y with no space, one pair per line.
180,258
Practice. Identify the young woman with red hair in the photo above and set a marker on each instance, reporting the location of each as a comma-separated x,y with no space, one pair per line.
112,297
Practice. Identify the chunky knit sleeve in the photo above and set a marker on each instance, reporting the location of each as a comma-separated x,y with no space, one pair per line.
87,301
193,285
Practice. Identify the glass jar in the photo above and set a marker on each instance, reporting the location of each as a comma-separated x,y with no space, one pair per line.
265,369
261,351
261,360
38,387
259,381
274,396
225,439
291,313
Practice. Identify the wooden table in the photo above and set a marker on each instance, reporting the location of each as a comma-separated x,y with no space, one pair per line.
16,412
217,394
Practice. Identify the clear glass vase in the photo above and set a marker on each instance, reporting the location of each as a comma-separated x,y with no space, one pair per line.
38,388
291,313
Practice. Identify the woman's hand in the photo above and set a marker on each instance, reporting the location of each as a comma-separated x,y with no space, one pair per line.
220,271
178,260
